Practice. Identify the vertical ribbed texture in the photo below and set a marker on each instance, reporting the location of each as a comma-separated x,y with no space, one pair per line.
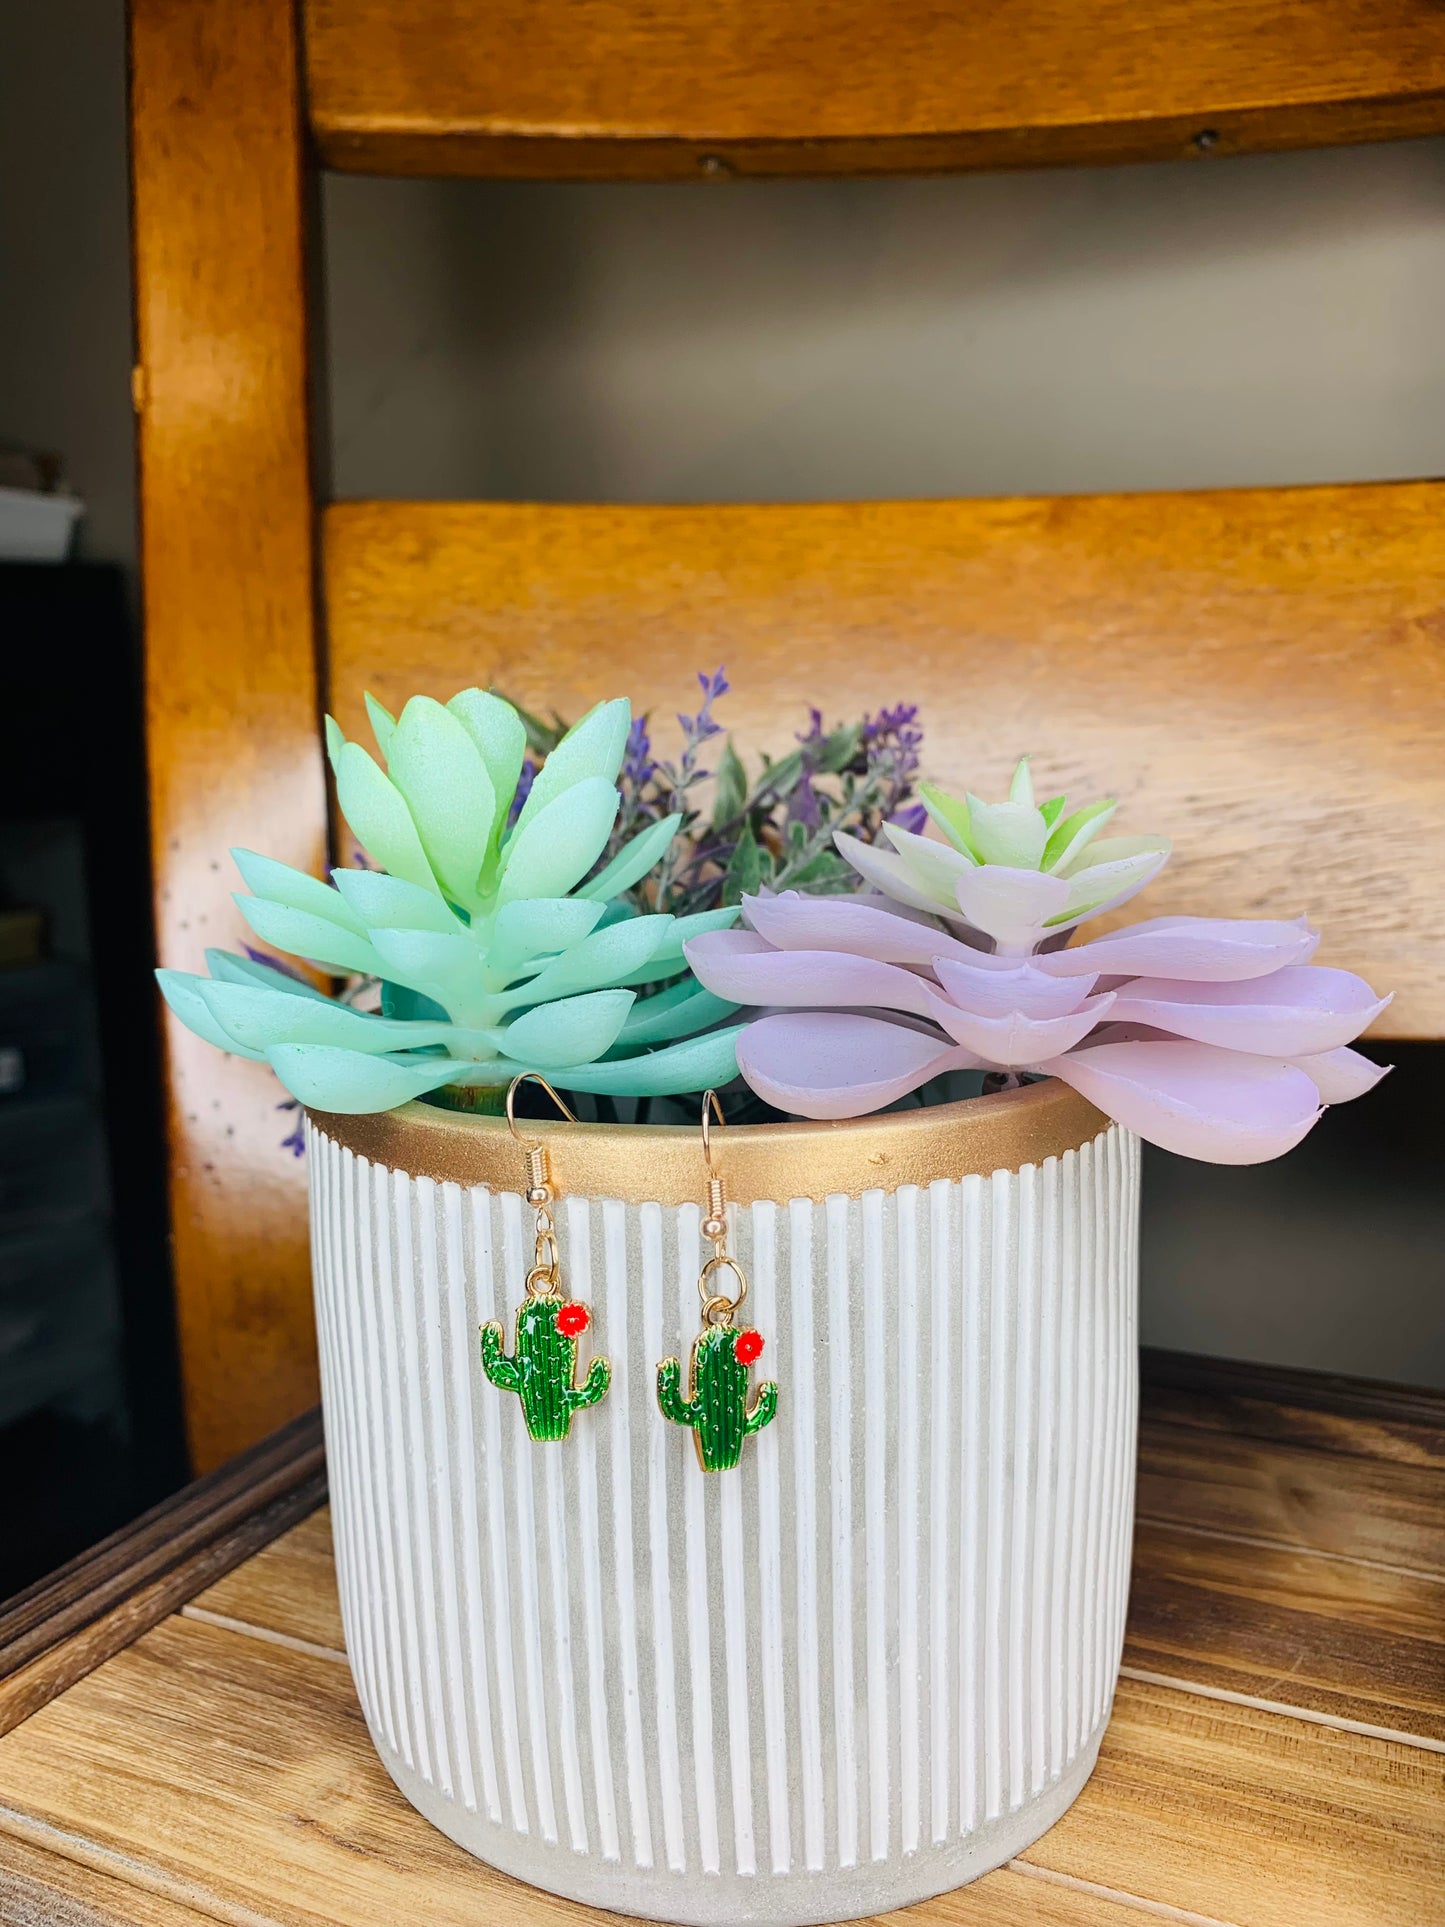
897,1621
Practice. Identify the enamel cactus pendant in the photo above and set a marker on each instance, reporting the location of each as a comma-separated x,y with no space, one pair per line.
716,1406
542,1370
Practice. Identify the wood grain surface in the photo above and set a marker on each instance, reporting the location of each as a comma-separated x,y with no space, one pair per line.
231,694
1275,1757
64,1626
664,90
1259,673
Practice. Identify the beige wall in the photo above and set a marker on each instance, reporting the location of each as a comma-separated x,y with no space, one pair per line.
1266,320
1273,319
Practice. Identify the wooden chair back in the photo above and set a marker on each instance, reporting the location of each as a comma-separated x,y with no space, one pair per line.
1260,669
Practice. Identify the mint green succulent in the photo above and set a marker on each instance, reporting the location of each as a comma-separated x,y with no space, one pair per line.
497,949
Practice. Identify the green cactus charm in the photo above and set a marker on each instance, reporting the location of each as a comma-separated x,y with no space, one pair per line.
543,1367
716,1406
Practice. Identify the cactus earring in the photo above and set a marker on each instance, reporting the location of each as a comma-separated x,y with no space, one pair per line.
716,1406
542,1370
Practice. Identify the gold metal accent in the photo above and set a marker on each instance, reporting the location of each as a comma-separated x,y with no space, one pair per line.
657,1163
544,1280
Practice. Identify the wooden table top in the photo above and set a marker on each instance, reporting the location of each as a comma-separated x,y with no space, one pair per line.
1276,1756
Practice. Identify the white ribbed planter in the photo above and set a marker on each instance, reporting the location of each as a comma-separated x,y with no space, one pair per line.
870,1664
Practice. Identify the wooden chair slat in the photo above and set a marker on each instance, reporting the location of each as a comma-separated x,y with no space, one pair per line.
1259,673
659,89
226,562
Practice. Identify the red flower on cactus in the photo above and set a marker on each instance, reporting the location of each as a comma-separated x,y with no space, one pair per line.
747,1346
573,1319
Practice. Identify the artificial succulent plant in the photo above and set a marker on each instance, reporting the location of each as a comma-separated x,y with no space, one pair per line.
501,939
1213,1037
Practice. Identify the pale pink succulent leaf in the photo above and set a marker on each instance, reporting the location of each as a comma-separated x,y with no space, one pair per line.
1300,1010
993,992
1194,1099
828,1064
1011,906
1193,949
1339,1075
888,872
794,922
1015,1042
764,976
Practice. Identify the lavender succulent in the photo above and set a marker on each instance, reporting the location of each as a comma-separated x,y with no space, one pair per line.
1215,1038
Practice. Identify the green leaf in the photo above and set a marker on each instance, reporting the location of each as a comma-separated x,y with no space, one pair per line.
259,1018
383,723
229,969
501,738
1069,839
439,771
379,818
446,968
745,868
182,992
591,750
952,817
732,787
315,938
605,959
327,1079
560,843
633,861
697,1064
1053,809
387,903
535,928
570,1030
838,748
826,866
675,1012
335,740
1021,789
263,876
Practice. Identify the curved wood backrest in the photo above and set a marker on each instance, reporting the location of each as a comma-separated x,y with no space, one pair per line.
669,89
1262,670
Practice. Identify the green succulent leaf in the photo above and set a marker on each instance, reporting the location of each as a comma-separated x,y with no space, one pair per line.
447,968
527,933
230,969
572,1030
679,1011
258,1018
381,902
303,935
560,843
1053,809
383,723
501,739
327,1079
335,740
379,817
182,992
602,961
438,769
633,861
591,749
1069,839
263,876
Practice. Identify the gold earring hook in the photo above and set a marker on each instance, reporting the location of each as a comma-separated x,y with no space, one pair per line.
710,1103
540,1187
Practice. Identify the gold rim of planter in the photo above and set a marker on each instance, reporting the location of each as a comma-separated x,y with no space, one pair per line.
663,1164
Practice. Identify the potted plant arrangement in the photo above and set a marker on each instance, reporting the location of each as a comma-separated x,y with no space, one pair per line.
632,1615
